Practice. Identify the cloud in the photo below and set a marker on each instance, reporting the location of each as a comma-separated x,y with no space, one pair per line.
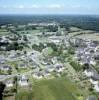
55,6
26,7
35,6
20,6
51,6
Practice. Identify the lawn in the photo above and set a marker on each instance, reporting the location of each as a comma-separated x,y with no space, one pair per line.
54,89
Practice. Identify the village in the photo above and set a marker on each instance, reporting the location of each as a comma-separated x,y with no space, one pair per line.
46,51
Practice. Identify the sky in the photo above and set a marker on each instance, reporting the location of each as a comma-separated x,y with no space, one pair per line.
49,7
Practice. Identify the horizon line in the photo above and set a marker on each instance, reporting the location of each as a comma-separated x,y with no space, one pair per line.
49,14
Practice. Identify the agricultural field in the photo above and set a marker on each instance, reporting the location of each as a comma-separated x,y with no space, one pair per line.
53,89
94,36
3,32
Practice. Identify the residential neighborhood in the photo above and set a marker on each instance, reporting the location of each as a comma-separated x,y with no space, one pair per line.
28,56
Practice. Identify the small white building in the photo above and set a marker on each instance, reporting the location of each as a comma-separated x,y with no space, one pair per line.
2,59
96,87
92,97
59,67
46,74
5,68
88,73
92,62
23,81
37,75
9,83
54,60
50,68
22,66
94,82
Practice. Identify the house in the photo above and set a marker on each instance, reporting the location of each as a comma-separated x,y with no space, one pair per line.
33,65
44,62
96,87
50,68
5,68
95,76
84,60
9,83
93,81
80,50
2,59
88,72
54,60
23,81
22,66
55,39
87,59
38,75
59,67
97,49
66,42
92,62
96,56
46,73
87,51
92,97
92,46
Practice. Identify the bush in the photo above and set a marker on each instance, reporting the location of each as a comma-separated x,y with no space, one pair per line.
76,65
71,50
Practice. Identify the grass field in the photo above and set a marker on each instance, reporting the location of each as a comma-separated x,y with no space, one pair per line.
53,89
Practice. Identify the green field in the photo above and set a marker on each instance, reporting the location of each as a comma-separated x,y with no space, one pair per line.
53,89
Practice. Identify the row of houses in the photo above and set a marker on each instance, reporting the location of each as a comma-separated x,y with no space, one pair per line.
93,77
46,72
21,81
2,59
89,55
5,68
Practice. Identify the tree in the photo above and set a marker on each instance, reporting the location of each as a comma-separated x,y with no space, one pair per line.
71,50
16,86
9,71
15,81
2,87
25,38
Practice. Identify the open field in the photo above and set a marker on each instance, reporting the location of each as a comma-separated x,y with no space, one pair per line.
53,89
3,33
94,36
29,32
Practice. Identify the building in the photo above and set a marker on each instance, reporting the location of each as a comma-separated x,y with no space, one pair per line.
9,83
38,75
23,81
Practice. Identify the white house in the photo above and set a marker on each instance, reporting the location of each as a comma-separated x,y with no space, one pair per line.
93,62
22,66
5,68
59,67
94,82
96,87
88,73
46,73
2,59
23,81
92,97
54,60
50,68
9,83
37,75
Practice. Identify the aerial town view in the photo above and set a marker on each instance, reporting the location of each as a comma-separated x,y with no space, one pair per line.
48,50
